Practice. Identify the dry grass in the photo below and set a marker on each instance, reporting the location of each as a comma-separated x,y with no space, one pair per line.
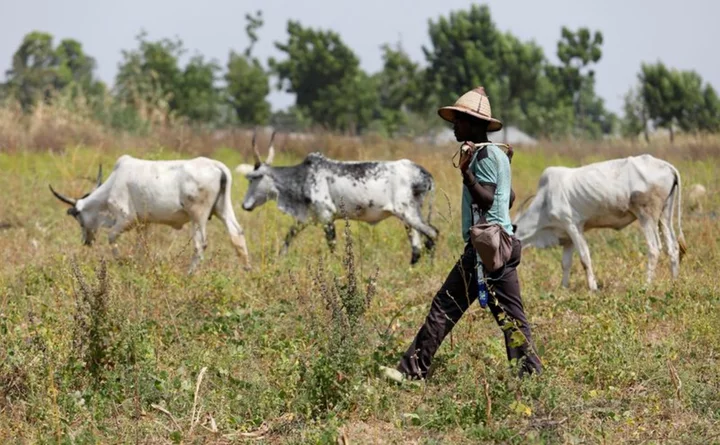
628,364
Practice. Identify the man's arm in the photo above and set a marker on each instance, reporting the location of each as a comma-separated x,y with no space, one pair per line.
483,195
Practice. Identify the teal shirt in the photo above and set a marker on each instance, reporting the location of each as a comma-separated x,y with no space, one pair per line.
492,166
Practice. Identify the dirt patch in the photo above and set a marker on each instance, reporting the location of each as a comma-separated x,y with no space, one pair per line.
378,432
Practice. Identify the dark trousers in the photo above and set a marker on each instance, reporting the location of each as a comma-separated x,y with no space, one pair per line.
453,299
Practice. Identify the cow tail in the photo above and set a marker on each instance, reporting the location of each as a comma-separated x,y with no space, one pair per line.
224,193
221,193
681,236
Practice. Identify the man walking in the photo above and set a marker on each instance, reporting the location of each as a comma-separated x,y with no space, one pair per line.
487,197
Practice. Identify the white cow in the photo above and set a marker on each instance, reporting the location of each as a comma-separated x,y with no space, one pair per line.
140,192
608,194
696,197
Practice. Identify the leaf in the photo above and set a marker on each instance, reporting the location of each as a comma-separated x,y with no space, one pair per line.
411,418
521,409
176,436
517,339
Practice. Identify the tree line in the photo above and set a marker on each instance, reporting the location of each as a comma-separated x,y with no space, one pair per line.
332,91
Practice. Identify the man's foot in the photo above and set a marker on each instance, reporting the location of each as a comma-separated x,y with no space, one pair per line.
398,377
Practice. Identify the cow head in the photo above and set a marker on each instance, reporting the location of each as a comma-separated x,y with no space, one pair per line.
89,219
262,187
526,218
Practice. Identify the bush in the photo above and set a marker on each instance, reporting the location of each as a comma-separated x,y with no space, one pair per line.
330,377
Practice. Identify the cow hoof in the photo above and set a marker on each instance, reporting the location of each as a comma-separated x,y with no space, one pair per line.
429,244
415,258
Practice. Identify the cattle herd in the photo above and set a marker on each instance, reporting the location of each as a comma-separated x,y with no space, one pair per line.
568,201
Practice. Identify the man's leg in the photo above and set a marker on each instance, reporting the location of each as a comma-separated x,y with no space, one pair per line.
449,304
507,308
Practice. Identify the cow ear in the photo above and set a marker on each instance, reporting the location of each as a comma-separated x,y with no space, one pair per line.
244,169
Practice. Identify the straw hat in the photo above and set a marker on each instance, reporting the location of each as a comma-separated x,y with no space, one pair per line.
474,103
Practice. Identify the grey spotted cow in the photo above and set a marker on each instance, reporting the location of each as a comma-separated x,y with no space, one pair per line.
318,189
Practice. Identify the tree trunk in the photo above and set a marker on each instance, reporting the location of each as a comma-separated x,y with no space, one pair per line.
672,134
644,120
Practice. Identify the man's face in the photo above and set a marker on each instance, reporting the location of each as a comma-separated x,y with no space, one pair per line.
466,128
462,128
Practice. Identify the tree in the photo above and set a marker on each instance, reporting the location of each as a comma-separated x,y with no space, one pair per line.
247,89
678,99
325,76
548,114
401,89
597,121
151,80
708,114
39,71
635,120
76,68
576,51
149,77
197,97
688,94
520,66
32,75
463,53
467,50
253,24
662,95
248,84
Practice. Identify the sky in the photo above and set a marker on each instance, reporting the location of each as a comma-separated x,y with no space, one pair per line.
634,31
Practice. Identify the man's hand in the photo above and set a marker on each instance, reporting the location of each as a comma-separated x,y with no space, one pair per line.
466,153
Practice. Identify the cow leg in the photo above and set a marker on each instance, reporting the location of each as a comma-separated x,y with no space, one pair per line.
200,242
414,219
652,237
141,244
330,235
671,243
415,242
584,252
237,236
567,263
119,227
292,233
429,243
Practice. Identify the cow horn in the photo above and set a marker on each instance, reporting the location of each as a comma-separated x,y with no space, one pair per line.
256,154
99,177
62,198
271,150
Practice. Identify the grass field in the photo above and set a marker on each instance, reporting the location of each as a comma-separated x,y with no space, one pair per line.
94,350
